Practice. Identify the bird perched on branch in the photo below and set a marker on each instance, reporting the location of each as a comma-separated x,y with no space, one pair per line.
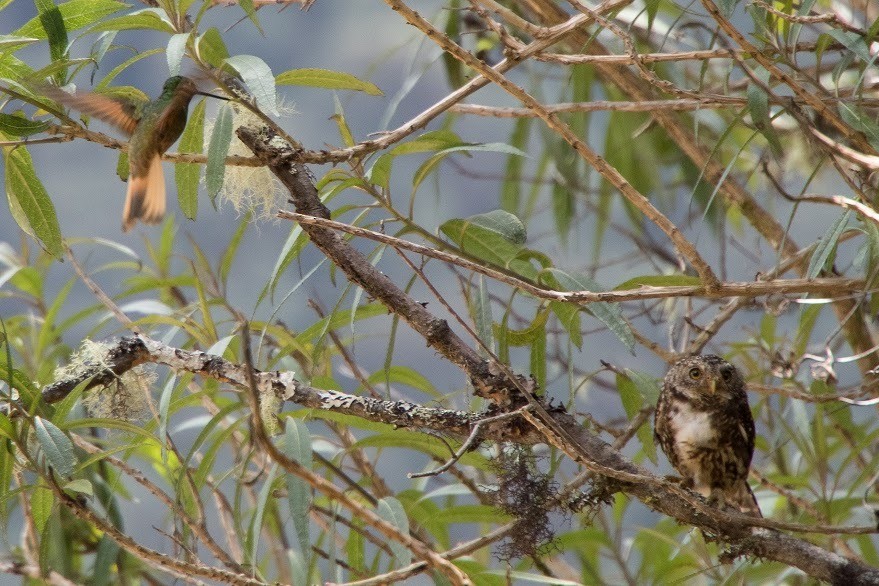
704,426
152,127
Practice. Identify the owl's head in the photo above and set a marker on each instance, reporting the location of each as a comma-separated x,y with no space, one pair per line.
707,376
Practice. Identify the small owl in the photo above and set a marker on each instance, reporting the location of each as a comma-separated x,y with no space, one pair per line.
704,426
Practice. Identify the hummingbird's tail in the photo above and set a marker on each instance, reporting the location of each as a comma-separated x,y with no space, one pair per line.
145,200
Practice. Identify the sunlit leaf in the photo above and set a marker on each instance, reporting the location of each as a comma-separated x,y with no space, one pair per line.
258,77
324,78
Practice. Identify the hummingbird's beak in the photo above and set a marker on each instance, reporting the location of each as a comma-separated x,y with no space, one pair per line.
210,95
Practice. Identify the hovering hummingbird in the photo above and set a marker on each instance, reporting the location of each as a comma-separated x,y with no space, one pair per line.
153,128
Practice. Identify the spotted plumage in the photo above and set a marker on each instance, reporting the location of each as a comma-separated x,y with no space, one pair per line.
705,427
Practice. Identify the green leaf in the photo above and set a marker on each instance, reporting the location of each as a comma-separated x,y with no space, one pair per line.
263,499
609,313
186,175
41,500
53,23
659,281
495,236
758,105
826,246
56,445
861,122
512,185
391,511
631,387
16,126
327,79
258,77
727,7
13,42
28,201
405,376
145,19
221,138
211,48
174,52
75,14
81,486
297,446
853,42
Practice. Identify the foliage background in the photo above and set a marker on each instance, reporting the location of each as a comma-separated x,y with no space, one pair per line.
817,458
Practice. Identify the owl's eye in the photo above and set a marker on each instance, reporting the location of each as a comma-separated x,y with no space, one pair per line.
695,373
726,374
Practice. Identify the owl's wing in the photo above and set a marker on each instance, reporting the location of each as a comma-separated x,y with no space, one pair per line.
118,113
745,449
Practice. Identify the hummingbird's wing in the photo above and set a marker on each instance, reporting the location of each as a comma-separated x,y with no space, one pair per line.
120,114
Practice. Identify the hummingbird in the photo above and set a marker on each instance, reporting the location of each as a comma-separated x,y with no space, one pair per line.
153,127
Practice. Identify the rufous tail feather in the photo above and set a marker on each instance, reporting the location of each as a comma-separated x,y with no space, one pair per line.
145,200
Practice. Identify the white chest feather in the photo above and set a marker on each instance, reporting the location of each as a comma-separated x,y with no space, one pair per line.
693,428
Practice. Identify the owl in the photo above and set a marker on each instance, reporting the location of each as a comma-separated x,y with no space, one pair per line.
704,426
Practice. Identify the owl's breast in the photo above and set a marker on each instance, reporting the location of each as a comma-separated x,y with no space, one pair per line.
692,428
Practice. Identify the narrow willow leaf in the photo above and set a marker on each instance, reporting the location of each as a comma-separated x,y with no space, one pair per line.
258,77
297,446
41,500
56,445
391,511
482,318
186,175
659,281
221,138
512,186
13,42
758,106
255,529
145,19
28,201
76,14
826,246
633,401
53,23
327,79
174,52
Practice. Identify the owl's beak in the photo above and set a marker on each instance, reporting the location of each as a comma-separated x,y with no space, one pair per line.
712,386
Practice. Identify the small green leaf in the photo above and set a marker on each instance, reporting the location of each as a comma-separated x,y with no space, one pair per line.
258,77
53,23
221,138
826,246
659,281
41,501
145,19
327,79
28,201
391,511
758,105
186,175
495,236
727,7
609,313
56,445
81,486
211,48
14,42
297,446
76,14
16,126
174,52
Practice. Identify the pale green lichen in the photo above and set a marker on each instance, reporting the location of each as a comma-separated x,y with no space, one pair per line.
126,398
252,190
